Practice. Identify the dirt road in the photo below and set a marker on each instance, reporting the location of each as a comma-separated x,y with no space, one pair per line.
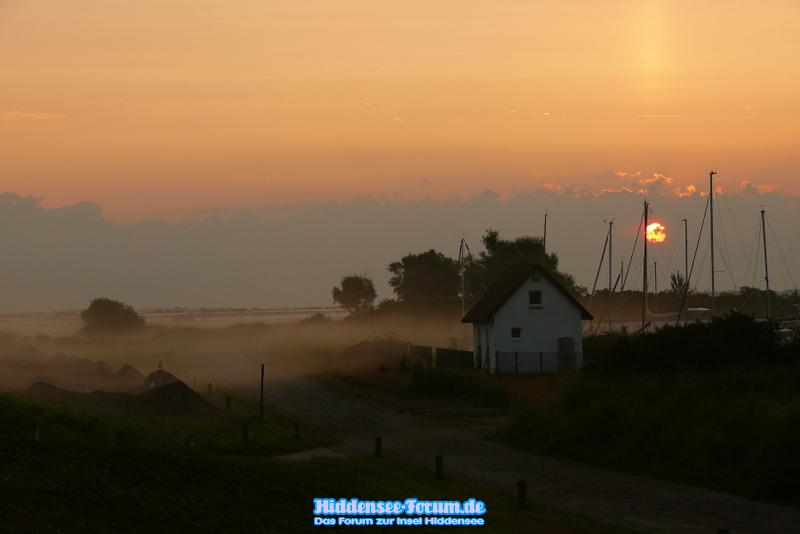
608,496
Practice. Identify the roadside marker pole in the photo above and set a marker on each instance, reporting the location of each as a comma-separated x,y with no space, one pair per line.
261,408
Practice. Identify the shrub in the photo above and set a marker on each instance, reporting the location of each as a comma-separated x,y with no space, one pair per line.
107,316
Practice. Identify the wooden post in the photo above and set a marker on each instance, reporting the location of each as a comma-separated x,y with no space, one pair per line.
439,467
261,406
245,433
189,441
378,446
522,495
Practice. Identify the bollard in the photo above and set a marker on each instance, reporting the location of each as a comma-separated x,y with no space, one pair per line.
245,433
378,446
522,495
439,467
261,405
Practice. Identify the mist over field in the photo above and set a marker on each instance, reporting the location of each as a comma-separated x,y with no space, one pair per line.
226,349
291,256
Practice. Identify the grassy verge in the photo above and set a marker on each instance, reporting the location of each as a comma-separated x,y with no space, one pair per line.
79,478
736,430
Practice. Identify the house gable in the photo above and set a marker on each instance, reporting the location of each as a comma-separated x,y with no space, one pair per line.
506,287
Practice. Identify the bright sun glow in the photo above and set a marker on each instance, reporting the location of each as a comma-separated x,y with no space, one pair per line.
655,233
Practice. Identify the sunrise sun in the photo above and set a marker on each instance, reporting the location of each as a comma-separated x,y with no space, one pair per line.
655,233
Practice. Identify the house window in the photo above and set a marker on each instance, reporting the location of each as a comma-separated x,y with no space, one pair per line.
516,332
535,299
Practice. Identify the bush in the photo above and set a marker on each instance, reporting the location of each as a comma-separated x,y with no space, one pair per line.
463,385
734,340
107,316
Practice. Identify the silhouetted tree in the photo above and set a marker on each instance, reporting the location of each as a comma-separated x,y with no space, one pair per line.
107,316
429,278
500,254
678,284
357,293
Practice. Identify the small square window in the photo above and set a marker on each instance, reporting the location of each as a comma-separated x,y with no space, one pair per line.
516,333
534,298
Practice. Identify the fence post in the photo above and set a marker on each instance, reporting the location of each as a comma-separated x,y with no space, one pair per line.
261,405
522,495
516,363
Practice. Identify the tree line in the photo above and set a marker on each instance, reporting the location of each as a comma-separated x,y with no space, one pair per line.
433,281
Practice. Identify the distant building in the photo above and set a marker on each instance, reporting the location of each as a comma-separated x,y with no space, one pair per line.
527,322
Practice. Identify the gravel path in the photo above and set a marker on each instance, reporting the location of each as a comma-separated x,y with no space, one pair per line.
609,496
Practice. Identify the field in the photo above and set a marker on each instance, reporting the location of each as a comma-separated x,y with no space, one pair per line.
90,469
98,471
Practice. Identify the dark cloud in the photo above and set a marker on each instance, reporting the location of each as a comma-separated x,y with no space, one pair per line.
62,258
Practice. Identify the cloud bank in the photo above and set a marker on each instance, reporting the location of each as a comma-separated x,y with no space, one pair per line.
291,256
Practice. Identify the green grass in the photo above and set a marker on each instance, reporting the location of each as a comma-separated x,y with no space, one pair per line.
78,477
459,385
736,430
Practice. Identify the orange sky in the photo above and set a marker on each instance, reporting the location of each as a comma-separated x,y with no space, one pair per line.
158,109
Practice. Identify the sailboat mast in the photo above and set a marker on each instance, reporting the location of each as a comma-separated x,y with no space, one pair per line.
544,243
766,267
610,269
686,251
644,275
713,272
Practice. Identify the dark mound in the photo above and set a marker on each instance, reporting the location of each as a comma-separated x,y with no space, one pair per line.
129,376
79,365
159,378
172,400
45,391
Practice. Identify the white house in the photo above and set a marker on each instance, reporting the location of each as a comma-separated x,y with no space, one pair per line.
527,322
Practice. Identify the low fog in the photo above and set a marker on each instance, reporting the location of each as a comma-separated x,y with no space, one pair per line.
226,353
